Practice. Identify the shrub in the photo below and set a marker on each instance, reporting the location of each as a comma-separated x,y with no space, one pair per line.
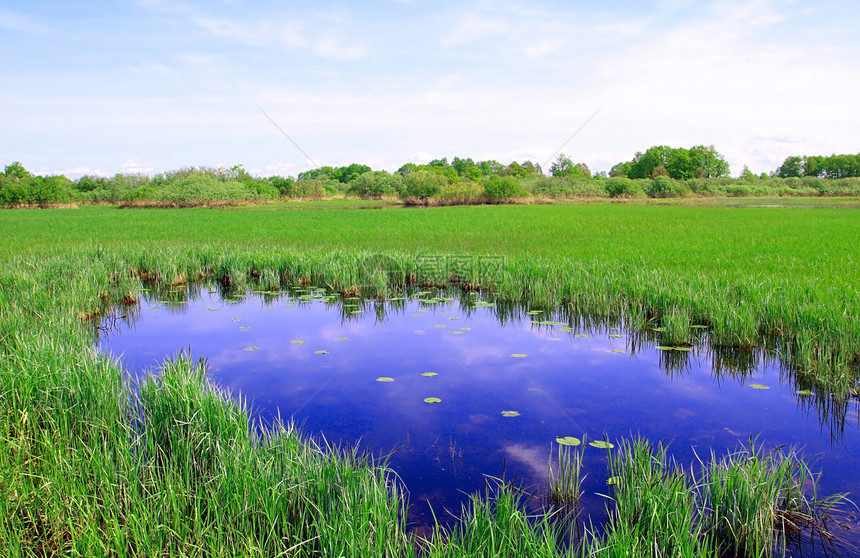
502,188
622,187
460,193
375,185
202,188
665,187
422,185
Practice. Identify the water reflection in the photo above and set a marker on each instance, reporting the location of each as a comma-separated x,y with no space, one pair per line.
320,355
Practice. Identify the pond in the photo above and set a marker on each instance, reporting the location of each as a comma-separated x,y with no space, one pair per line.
458,389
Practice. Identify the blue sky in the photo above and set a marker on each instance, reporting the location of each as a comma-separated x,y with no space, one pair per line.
154,85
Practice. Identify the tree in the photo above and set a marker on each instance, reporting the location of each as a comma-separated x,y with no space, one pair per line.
791,167
16,171
421,185
407,168
562,166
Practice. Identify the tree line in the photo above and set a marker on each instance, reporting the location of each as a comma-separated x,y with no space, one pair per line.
660,171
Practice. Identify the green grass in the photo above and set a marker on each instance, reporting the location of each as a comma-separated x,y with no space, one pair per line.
87,469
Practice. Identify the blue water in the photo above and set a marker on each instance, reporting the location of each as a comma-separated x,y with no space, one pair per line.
591,382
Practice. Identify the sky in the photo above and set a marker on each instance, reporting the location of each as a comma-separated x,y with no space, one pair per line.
146,86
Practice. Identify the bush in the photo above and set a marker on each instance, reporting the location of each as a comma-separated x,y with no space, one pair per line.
460,193
314,188
202,188
375,185
622,187
665,187
284,186
501,189
422,185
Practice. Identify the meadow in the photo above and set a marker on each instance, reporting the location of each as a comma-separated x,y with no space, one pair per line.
89,468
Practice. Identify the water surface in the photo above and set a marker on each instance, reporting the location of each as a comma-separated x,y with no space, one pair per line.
318,360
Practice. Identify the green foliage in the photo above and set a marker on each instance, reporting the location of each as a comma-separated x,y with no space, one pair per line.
699,161
622,187
420,186
376,184
665,187
19,187
563,166
500,189
832,167
465,192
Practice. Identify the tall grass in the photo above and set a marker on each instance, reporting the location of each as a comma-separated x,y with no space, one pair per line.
91,466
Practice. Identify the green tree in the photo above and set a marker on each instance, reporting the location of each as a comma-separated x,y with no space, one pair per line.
422,185
791,167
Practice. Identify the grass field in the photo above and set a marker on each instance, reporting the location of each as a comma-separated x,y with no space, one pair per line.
86,469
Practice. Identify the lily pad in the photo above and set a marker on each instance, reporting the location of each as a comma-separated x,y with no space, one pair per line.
236,320
357,312
518,355
670,348
698,326
432,400
297,341
581,335
566,329
321,352
441,325
568,441
466,328
804,392
251,349
416,315
618,350
384,379
245,327
343,338
429,374
615,335
534,312
211,309
510,414
759,386
612,480
456,332
453,318
602,444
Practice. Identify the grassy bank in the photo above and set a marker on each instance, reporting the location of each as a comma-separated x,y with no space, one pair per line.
91,467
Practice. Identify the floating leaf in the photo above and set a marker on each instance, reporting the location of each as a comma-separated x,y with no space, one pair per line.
251,348
236,320
456,332
297,341
357,312
568,441
384,379
432,400
698,326
618,350
416,315
615,335
441,326
612,480
602,444
397,298
510,414
453,318
658,329
466,328
322,352
668,348
534,312
566,329
519,355
429,374
211,309
343,338
759,386
804,392
245,327
580,335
